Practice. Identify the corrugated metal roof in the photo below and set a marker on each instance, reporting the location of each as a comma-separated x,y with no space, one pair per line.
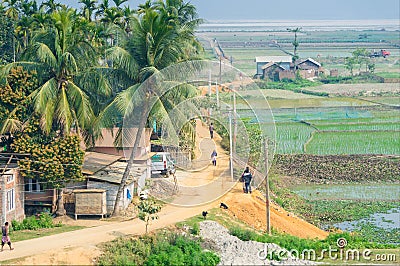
276,59
309,59
95,161
267,65
113,173
87,190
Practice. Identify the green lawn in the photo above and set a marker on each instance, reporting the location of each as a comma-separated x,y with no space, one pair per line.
30,234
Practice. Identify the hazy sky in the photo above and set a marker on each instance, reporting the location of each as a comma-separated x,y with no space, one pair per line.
289,9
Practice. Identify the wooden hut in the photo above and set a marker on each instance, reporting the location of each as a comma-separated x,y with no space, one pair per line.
90,202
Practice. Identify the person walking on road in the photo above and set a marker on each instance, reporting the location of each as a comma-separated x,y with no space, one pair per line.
214,157
5,236
211,128
246,179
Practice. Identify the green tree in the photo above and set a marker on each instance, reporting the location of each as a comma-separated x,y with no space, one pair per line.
61,55
89,6
51,6
147,211
295,43
6,39
349,64
159,40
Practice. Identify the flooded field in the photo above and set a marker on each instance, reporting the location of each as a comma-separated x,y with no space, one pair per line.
386,192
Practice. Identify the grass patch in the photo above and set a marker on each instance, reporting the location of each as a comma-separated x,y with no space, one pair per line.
395,75
31,234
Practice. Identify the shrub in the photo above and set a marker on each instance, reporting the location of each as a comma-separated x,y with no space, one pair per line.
195,229
162,249
32,223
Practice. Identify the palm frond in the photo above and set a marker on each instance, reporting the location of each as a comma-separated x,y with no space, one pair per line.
81,105
123,60
41,96
11,125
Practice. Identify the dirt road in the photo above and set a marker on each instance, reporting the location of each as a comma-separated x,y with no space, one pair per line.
198,189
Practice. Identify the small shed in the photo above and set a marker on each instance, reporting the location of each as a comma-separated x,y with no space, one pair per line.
90,202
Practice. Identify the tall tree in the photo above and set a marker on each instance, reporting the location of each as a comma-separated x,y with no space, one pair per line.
88,7
50,6
61,55
158,41
295,43
6,38
118,3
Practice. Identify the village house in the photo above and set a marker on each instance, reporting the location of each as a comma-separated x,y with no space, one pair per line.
261,61
309,68
277,68
11,187
106,145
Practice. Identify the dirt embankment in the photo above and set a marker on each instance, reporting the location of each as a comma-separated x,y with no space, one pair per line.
251,209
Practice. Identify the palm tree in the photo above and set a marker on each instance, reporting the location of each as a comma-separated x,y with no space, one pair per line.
118,3
88,7
101,9
12,10
158,42
28,8
51,6
62,56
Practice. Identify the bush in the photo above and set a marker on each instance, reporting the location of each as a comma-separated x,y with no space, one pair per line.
162,249
195,229
33,223
243,234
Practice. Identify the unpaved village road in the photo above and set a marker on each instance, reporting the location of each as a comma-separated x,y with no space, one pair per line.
201,187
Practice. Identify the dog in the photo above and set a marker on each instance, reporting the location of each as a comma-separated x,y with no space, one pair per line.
223,206
204,213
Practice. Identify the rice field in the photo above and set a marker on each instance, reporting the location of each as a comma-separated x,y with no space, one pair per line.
359,142
359,127
290,137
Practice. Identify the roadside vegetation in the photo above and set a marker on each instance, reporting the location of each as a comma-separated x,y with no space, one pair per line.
164,247
38,226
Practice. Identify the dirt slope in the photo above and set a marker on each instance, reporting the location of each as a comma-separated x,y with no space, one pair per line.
250,208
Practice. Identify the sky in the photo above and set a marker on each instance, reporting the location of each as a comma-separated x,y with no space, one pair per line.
289,9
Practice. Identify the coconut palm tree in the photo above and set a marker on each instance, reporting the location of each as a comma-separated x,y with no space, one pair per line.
158,42
61,55
66,63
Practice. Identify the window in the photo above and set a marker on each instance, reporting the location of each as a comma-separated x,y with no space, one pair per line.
33,185
10,199
10,178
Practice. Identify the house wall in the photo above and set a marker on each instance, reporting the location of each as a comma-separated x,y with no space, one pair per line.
308,73
111,193
17,184
286,74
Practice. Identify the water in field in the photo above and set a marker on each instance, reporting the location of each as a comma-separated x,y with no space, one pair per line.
349,192
388,220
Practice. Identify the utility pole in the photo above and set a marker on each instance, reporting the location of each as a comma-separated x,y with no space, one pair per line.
209,83
217,93
267,201
230,144
234,117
